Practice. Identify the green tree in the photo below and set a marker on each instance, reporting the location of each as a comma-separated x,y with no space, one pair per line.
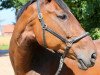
12,3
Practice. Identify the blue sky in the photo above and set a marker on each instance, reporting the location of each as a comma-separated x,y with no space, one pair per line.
7,16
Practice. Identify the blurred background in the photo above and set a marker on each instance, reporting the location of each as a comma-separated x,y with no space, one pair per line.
86,11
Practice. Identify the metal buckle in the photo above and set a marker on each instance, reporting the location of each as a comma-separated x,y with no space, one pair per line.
40,16
69,44
44,27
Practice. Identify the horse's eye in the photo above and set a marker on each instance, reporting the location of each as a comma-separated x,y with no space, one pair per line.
63,17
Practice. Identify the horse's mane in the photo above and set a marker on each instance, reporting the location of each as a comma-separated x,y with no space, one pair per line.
60,3
19,13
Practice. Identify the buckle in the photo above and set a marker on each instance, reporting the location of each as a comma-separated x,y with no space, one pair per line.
40,16
44,27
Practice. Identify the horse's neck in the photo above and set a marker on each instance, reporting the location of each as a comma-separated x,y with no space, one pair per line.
43,59
35,58
46,62
38,58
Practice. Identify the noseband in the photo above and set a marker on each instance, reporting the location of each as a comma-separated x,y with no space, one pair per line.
65,40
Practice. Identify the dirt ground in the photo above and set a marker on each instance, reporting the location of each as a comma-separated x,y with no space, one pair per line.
5,65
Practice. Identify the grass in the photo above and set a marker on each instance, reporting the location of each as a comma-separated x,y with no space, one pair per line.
4,42
4,47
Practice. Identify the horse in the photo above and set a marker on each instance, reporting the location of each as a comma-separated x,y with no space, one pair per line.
95,70
45,33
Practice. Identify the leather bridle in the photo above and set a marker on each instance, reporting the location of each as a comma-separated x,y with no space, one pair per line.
65,40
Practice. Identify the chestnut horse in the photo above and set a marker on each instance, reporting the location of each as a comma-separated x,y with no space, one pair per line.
95,70
46,31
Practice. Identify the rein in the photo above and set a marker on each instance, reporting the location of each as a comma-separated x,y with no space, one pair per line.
65,40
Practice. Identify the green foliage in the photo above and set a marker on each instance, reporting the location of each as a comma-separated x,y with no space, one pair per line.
12,3
6,4
23,1
86,11
4,47
95,33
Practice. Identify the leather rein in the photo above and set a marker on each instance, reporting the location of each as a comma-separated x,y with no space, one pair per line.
66,41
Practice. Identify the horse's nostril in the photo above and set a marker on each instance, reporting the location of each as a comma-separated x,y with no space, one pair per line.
93,56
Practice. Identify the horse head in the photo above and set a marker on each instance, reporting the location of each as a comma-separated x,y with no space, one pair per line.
55,27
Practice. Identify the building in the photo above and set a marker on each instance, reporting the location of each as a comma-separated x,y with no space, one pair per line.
7,29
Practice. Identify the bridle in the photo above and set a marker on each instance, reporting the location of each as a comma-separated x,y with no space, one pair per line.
66,41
